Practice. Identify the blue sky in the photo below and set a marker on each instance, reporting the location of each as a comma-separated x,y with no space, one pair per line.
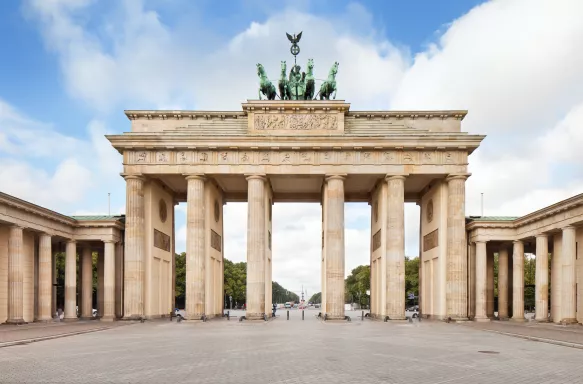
70,68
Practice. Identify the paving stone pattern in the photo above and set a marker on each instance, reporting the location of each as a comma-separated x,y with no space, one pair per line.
294,351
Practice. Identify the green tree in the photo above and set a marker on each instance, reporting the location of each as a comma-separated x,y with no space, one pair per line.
282,295
411,276
180,293
235,281
316,298
356,284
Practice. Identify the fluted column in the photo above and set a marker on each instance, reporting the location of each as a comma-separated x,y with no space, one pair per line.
45,284
456,291
542,278
71,281
54,284
256,246
335,247
569,277
87,283
481,281
395,232
490,285
195,248
503,283
108,280
134,248
556,277
518,281
15,276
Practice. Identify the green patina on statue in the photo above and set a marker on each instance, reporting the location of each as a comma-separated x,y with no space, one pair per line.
265,86
297,85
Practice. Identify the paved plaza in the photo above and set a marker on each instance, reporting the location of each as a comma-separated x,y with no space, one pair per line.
294,351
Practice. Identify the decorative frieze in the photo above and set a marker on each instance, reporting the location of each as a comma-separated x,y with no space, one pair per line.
285,156
295,122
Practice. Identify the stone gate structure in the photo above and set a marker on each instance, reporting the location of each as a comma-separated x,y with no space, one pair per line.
308,151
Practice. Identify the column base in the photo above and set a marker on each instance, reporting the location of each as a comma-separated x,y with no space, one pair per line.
133,318
45,320
503,318
15,322
542,320
255,316
397,317
518,319
484,319
334,318
70,319
87,318
107,318
568,321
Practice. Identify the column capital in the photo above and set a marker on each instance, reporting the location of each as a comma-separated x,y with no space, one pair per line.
109,241
461,176
17,226
517,242
196,176
340,176
43,234
255,176
71,241
568,227
133,176
480,241
396,177
543,235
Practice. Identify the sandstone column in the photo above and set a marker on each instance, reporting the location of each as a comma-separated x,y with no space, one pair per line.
15,276
100,283
134,248
256,247
456,292
195,248
335,247
45,284
518,281
542,278
119,279
503,283
556,278
54,285
569,277
395,232
87,283
481,281
71,281
490,284
108,280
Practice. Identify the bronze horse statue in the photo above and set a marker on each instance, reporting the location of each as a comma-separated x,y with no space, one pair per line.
265,86
329,86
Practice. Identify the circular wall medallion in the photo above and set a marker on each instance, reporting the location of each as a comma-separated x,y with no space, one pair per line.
163,210
217,211
376,211
429,211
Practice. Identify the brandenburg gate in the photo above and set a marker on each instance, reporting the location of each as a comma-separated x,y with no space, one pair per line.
294,150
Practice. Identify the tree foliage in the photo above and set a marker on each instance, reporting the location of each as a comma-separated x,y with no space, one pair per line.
356,285
316,298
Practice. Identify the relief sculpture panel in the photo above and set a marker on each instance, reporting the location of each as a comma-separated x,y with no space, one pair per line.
295,122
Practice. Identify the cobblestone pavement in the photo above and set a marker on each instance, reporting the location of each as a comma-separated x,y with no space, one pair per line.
11,333
568,334
294,351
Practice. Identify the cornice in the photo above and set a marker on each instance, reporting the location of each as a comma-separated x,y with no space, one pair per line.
541,214
291,107
413,141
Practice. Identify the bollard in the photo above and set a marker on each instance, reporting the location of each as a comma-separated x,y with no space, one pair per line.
288,314
362,316
228,315
302,314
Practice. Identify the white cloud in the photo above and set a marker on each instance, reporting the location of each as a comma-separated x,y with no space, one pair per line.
56,171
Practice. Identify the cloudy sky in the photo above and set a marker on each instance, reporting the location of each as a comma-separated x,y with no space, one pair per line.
70,67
